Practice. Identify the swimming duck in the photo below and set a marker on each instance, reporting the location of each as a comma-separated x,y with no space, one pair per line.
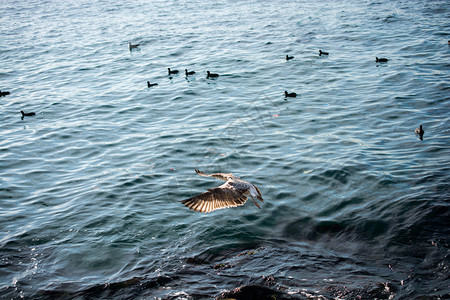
209,74
381,60
286,94
188,73
151,84
322,53
3,94
419,131
27,114
289,57
172,71
232,193
132,46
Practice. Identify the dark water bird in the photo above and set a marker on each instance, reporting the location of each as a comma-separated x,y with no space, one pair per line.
188,73
381,60
27,114
323,53
232,193
286,94
209,74
172,71
151,84
419,131
132,46
3,94
289,57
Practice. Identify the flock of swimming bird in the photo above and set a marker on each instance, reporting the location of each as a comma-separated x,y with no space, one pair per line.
214,75
234,191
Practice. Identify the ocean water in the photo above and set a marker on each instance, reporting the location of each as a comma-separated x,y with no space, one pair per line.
356,205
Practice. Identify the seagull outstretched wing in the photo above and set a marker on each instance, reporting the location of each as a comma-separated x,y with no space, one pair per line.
221,176
220,197
232,193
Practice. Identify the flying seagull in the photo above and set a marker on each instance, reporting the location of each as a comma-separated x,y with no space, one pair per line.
232,193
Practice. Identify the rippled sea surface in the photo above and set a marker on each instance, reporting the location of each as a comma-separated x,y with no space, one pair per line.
356,205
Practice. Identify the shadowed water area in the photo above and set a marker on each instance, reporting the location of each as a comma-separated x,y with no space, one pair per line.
355,204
